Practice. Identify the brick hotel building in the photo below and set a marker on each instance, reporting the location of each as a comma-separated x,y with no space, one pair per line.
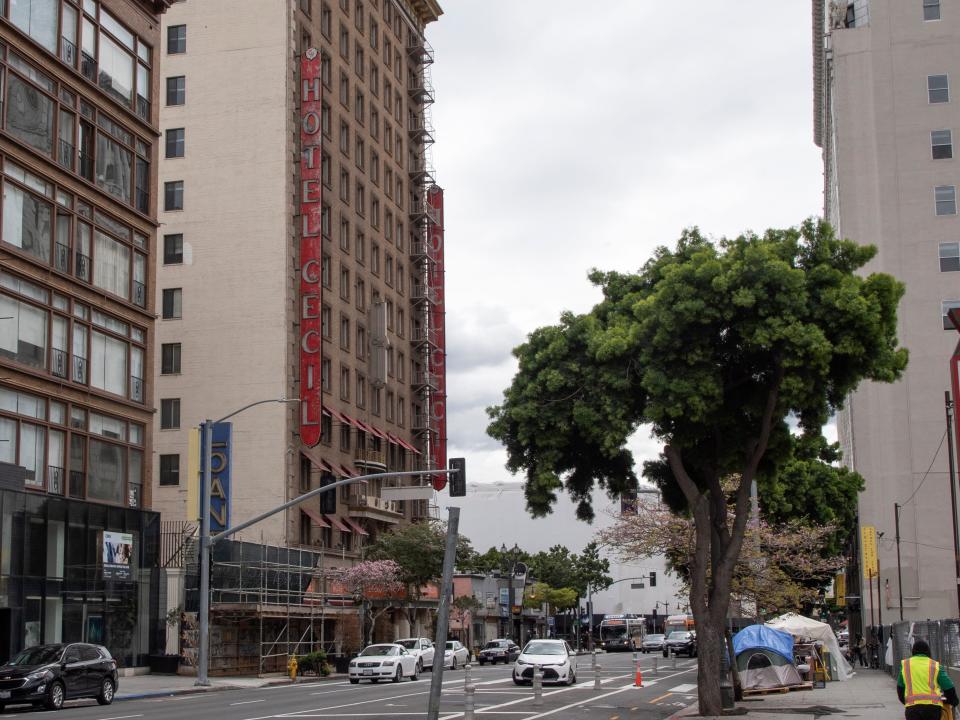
78,157
288,274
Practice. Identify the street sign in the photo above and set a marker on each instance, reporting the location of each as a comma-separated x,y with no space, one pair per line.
637,586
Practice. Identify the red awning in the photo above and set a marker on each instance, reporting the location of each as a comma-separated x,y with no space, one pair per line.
333,412
351,421
338,523
316,517
393,438
314,457
363,426
407,445
356,527
378,432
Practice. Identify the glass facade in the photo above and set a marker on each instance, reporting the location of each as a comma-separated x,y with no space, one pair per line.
52,584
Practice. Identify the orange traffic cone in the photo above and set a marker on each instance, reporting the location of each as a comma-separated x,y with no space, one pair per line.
638,679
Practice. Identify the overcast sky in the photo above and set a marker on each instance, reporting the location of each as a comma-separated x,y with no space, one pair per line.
574,135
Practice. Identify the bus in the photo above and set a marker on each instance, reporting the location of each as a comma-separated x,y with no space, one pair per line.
678,622
622,632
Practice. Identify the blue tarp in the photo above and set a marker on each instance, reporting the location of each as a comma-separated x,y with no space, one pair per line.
761,636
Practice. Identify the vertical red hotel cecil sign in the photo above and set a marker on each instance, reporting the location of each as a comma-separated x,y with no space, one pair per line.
437,361
311,247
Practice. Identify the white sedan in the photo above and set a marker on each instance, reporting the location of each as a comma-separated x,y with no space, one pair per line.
556,658
388,661
421,648
455,655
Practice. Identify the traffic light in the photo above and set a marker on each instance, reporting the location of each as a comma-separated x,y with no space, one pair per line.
458,480
653,579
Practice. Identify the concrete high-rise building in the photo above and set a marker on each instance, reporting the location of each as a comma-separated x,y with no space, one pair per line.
885,113
301,235
78,147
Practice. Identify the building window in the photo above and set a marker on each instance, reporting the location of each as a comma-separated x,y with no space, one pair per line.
345,429
361,342
325,20
938,88
173,195
325,374
931,9
325,328
345,388
169,470
361,391
344,282
941,143
344,332
172,303
170,359
176,90
946,196
173,249
946,306
176,143
176,39
305,7
304,528
170,413
949,256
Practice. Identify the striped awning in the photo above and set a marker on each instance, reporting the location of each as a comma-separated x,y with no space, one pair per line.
338,523
316,517
357,528
313,455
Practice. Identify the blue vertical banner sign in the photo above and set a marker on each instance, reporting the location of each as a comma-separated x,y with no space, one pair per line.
220,461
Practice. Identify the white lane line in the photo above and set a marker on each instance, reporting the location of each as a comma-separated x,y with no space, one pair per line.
246,702
121,717
683,688
311,713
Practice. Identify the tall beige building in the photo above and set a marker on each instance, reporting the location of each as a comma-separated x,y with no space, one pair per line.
229,273
886,109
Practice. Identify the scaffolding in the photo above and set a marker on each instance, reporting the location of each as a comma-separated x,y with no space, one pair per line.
268,602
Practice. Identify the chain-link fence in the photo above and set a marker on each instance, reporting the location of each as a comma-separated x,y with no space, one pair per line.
943,636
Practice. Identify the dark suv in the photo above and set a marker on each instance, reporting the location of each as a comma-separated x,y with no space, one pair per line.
49,674
495,651
680,642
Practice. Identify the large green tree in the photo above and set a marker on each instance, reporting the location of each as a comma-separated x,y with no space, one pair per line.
713,345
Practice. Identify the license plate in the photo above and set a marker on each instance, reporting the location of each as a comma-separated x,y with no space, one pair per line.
368,672
4,694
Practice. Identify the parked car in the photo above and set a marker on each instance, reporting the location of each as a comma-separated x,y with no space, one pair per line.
421,648
557,659
455,655
681,642
49,674
499,650
387,661
652,643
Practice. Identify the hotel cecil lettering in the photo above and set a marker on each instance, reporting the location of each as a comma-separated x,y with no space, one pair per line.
311,247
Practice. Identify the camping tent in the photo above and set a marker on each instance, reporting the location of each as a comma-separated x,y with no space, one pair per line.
765,658
803,627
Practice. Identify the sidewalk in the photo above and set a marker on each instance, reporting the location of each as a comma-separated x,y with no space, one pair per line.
141,686
869,694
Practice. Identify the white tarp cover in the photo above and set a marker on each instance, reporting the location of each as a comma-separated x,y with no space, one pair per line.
757,670
804,627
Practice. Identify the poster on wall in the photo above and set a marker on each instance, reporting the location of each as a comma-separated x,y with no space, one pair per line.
117,553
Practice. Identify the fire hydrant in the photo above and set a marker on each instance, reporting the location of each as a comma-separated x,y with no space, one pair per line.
292,667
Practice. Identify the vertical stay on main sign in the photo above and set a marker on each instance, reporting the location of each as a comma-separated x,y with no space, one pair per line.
311,244
437,320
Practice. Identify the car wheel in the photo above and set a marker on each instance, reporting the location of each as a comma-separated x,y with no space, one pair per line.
419,666
517,682
54,699
354,681
481,662
398,674
416,673
454,666
106,692
573,677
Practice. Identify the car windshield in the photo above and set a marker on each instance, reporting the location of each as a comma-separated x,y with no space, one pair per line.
544,648
655,638
409,644
40,655
379,650
682,635
495,645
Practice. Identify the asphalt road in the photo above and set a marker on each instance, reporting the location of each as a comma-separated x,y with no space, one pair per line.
662,694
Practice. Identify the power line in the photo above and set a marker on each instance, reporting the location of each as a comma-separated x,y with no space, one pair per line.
924,478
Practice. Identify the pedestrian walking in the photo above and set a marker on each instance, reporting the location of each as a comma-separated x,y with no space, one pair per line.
923,684
859,651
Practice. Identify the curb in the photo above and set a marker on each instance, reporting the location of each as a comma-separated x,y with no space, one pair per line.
194,690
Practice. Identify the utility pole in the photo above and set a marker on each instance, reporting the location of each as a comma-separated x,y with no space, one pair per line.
443,612
953,494
896,524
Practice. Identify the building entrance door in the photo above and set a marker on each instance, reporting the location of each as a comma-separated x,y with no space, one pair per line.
6,633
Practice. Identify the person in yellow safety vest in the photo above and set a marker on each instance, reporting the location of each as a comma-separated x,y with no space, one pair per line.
922,683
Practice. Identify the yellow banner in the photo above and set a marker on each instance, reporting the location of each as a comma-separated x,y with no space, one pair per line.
193,475
840,589
868,541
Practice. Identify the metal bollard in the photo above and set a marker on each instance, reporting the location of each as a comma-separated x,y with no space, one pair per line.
537,686
596,672
654,669
468,691
674,656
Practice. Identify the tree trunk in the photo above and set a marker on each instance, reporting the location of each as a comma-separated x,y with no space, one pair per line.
734,670
710,645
